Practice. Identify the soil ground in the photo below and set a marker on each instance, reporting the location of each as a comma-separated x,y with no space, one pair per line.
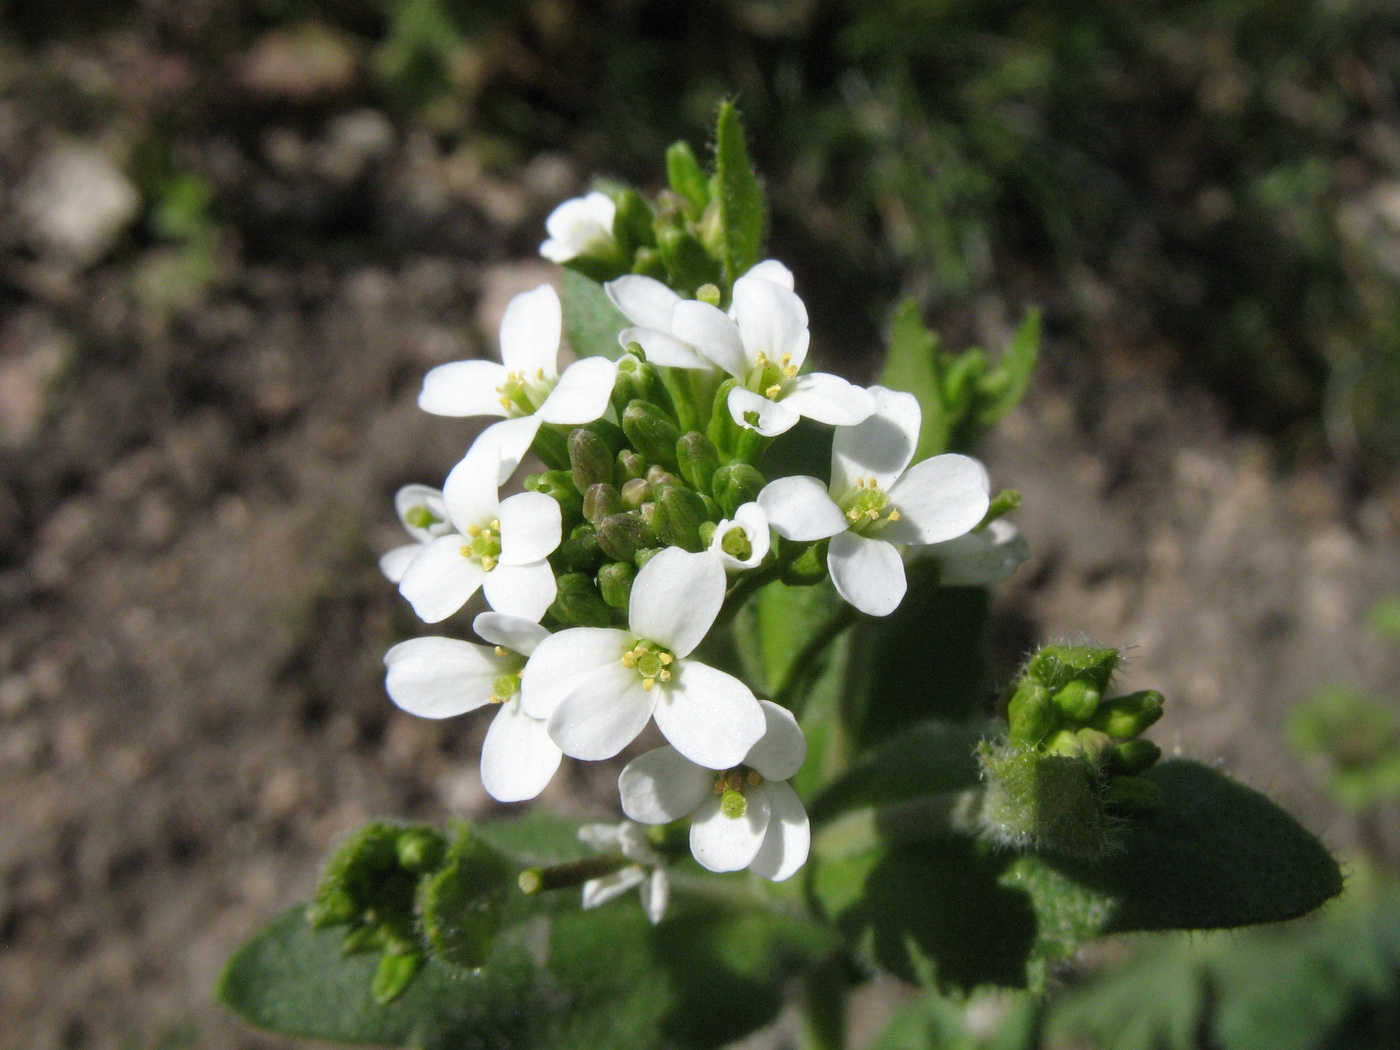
195,493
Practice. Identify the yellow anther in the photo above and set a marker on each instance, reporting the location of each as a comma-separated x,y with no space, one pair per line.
894,515
735,781
664,675
761,360
665,658
719,786
629,659
465,551
869,481
790,371
647,683
488,563
495,699
539,373
496,522
499,650
754,778
787,360
873,514
853,515
504,402
773,391
473,530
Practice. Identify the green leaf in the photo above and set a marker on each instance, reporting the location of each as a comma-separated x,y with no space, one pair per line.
937,1022
686,178
591,321
606,978
926,759
741,204
1002,388
911,364
914,896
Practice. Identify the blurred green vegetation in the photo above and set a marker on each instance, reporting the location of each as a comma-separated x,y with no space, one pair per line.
1210,183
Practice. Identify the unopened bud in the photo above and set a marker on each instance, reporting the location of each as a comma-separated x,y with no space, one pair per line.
807,568
558,485
734,485
332,907
421,849
1093,745
698,459
687,261
590,459
632,223
684,513
552,447
1030,713
1055,666
630,465
622,535
580,551
1133,756
652,433
578,602
635,493
601,500
658,476
1078,700
615,583
1127,716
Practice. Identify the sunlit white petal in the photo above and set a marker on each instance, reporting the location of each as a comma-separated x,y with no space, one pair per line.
772,321
603,714
463,388
395,562
722,843
605,888
530,331
713,333
531,525
582,393
663,785
788,837
781,750
868,573
938,499
644,301
517,757
880,447
569,660
439,580
675,599
516,633
521,590
772,270
440,677
663,349
709,716
756,412
828,399
799,508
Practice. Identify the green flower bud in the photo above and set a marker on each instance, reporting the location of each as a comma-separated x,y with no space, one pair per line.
652,433
723,432
394,974
364,939
1127,716
635,493
687,178
1078,700
684,513
580,551
1093,745
615,583
1030,713
601,500
622,535
644,556
1133,756
734,485
420,849
658,477
1132,797
333,907
558,485
698,459
687,262
1054,666
578,602
590,459
630,466
647,262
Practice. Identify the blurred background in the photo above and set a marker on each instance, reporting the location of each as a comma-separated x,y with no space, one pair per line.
234,235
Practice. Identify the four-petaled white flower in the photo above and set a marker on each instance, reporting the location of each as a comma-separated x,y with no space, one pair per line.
647,871
443,677
499,545
982,557
599,686
742,542
873,502
424,516
762,342
742,816
527,389
649,305
581,226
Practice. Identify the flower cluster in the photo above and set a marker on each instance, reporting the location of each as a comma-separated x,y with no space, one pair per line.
652,520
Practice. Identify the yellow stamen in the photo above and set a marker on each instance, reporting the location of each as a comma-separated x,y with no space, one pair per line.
465,551
488,563
665,658
629,659
894,515
790,371
773,391
504,403
499,650
648,683
473,530
539,373
665,675
787,360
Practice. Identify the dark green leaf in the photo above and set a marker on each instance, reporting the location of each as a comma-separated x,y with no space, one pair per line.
911,364
591,321
927,759
741,204
685,176
1002,388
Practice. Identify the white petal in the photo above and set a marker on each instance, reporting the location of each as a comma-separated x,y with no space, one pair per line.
566,660
755,412
578,226
510,440
710,717
799,508
828,399
938,499
772,320
601,890
410,498
636,845
439,580
470,488
675,599
868,573
521,590
782,749
723,843
582,394
656,891
772,270
602,714
531,527
394,563
463,388
601,837
516,633
517,757
644,301
980,558
753,523
530,332
663,349
440,677
789,835
879,448
711,331
663,785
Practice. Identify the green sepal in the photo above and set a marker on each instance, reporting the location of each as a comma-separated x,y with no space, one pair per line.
622,536
600,501
698,460
682,513
1126,716
615,583
580,551
591,459
1055,666
688,264
559,486
394,974
632,223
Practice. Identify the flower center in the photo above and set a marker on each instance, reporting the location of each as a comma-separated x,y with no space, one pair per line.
867,507
484,544
650,661
521,395
420,517
505,686
769,378
736,544
730,787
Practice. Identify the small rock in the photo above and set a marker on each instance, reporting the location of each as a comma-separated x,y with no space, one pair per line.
75,203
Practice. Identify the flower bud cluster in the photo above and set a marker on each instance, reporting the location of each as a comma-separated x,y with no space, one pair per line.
651,521
1072,762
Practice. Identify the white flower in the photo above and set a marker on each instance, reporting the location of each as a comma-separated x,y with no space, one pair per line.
873,502
762,342
746,816
599,686
981,557
649,305
424,516
743,541
499,545
527,389
443,677
647,872
581,226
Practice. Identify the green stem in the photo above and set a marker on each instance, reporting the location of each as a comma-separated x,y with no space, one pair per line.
534,881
